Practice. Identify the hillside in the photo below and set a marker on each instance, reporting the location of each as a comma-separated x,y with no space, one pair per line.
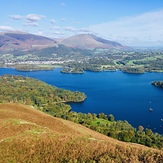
19,40
40,95
26,41
29,135
55,101
19,48
85,41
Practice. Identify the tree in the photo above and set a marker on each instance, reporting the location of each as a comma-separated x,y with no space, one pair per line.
140,128
102,116
148,132
111,118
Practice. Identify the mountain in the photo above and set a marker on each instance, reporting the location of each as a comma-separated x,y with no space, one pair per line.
90,41
19,40
29,135
26,41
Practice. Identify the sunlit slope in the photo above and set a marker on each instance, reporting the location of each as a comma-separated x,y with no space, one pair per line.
85,41
29,135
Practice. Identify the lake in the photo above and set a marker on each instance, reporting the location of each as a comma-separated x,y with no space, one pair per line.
126,96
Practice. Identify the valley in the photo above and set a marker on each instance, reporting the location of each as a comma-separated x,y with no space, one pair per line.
23,92
77,59
81,81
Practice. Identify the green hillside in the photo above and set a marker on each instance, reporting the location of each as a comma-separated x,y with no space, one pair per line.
40,95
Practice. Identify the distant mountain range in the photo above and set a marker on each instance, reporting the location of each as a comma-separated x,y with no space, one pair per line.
27,41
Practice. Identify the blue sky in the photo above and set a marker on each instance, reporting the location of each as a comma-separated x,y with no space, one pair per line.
129,22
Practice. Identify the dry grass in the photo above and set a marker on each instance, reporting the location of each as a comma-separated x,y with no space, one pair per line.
28,135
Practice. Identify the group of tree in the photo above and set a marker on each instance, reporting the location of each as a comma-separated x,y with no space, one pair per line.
120,130
52,100
32,67
133,69
95,64
158,83
37,93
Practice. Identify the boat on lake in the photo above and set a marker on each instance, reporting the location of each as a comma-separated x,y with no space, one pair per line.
150,109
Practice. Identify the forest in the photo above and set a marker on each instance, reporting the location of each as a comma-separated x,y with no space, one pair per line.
40,95
53,101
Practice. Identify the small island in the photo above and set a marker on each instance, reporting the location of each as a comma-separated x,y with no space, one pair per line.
133,69
32,67
158,84
79,68
72,70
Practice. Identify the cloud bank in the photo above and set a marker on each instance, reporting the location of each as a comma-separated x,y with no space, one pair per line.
6,28
145,29
29,20
16,17
34,17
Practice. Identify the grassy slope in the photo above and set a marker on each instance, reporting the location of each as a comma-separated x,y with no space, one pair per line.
29,135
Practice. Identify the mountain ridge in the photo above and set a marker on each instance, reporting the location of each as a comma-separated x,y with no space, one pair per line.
26,41
20,40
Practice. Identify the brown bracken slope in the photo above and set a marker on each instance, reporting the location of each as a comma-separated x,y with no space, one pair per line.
20,40
29,135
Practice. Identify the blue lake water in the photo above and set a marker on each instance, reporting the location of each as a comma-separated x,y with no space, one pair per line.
126,96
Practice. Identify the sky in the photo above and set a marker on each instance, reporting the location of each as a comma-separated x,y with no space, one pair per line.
129,22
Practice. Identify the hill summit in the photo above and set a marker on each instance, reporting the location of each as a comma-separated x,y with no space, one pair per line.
90,41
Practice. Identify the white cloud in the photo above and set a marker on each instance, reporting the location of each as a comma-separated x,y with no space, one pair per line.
16,17
77,22
134,30
40,33
86,30
53,21
34,24
63,19
32,20
6,28
75,31
71,29
59,34
34,17
54,27
29,20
